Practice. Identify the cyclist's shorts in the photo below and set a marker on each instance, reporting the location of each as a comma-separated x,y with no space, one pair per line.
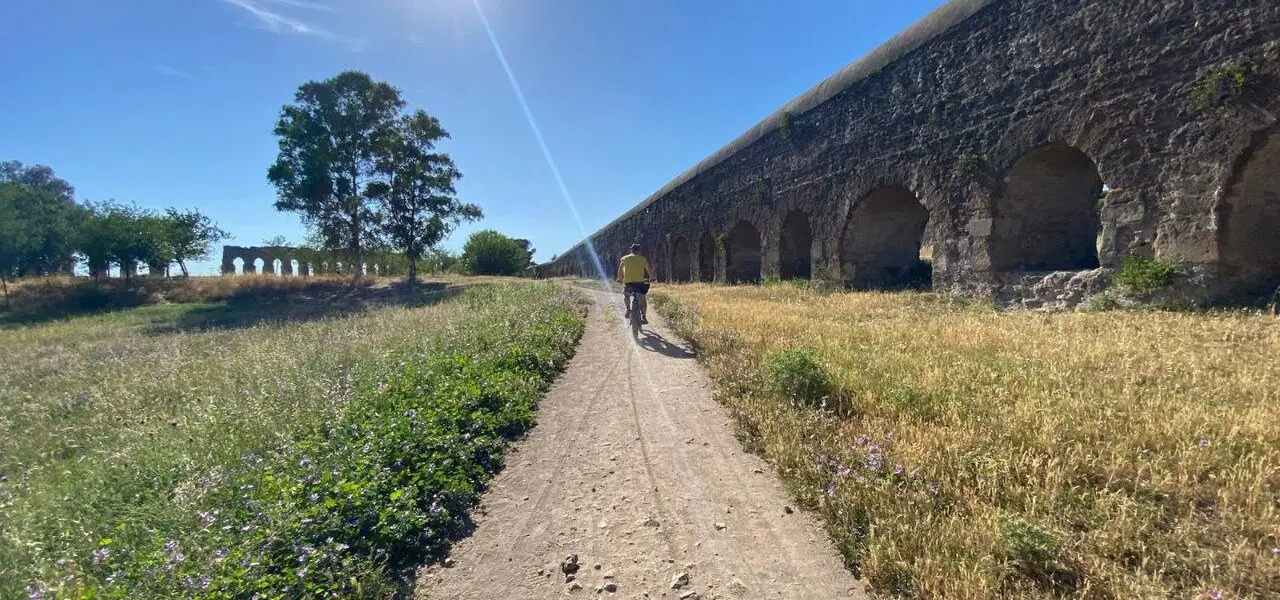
638,288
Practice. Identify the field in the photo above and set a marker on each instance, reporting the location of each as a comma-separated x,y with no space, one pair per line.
959,452
270,437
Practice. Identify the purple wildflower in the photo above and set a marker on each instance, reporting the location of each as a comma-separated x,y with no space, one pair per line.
860,440
302,572
174,552
100,555
932,488
1215,594
897,469
35,592
889,436
1203,443
207,518
61,562
844,471
875,460
829,490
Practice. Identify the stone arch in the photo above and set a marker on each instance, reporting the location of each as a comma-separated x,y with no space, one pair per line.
681,260
237,266
277,266
1249,216
296,267
706,258
795,246
743,262
1046,218
880,244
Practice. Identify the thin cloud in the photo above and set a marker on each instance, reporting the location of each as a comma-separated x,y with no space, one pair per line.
172,72
277,22
301,4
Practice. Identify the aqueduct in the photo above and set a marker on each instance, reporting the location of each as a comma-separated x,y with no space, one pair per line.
301,262
1027,137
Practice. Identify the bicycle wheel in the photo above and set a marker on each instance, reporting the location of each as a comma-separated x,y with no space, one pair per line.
635,319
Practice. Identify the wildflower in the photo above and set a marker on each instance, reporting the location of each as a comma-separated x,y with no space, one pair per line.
829,490
341,547
302,572
875,460
860,440
889,436
932,488
61,562
897,469
174,552
207,518
1203,443
1275,550
844,471
1215,594
35,592
100,555
220,555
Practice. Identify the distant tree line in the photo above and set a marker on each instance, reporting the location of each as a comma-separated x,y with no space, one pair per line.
45,231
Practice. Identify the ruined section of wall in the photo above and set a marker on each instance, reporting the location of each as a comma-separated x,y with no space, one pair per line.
301,262
1003,120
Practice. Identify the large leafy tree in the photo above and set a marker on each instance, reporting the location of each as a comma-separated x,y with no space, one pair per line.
45,219
192,235
489,252
331,139
420,206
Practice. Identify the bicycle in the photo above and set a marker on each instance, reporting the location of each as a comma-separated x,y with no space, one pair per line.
636,309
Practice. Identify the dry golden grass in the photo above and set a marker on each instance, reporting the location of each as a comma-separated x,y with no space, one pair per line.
969,453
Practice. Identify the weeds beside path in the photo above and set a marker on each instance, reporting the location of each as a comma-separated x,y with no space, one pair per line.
959,452
143,459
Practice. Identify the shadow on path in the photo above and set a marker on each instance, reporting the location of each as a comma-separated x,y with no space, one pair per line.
654,342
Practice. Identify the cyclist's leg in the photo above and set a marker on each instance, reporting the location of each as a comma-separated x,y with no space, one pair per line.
626,300
644,307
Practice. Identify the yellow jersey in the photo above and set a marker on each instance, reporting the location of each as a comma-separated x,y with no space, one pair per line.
632,268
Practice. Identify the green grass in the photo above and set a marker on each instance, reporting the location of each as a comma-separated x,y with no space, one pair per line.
142,457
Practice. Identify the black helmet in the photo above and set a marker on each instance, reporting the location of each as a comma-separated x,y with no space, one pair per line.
635,247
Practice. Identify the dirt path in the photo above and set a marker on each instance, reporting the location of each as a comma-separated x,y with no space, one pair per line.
634,467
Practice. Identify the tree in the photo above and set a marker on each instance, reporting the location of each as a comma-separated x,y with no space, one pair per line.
47,211
420,206
331,139
488,252
119,234
192,236
528,248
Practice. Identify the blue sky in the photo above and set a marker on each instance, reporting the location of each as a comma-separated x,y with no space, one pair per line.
172,102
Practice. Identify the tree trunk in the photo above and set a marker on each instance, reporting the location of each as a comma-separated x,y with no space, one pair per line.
4,282
413,270
357,257
182,264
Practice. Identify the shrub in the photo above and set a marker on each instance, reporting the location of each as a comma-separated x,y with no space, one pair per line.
488,252
1145,275
797,373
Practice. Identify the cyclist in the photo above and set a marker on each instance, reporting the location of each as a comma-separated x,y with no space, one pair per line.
634,273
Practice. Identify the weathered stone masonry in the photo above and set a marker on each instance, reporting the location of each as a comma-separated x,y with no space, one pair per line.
994,125
286,261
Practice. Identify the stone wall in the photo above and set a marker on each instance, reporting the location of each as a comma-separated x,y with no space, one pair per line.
995,125
302,262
